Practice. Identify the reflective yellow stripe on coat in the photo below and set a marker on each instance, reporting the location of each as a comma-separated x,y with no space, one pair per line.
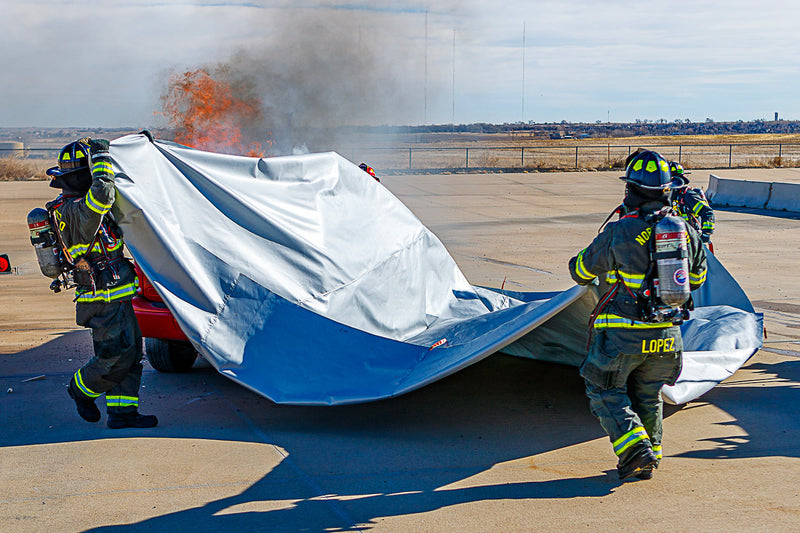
608,320
109,295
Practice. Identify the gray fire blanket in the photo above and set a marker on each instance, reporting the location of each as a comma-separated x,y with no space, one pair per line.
305,280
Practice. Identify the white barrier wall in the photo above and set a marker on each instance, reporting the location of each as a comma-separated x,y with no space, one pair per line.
753,194
738,193
784,197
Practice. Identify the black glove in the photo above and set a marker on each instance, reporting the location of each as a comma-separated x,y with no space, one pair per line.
705,237
98,146
148,135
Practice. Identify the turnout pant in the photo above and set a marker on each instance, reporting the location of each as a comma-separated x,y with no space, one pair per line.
116,368
624,372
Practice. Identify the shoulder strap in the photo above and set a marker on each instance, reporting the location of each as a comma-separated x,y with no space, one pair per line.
616,210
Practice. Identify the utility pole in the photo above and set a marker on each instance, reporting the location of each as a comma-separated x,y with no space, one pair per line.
523,72
425,121
453,119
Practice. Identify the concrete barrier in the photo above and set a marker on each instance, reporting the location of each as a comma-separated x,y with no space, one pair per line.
739,193
784,197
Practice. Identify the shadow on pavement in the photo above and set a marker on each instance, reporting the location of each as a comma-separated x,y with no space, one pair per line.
765,403
351,465
398,456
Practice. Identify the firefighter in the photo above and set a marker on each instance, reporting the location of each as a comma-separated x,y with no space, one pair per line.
105,284
636,343
691,204
369,170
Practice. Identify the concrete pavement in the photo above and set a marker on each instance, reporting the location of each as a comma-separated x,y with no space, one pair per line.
505,445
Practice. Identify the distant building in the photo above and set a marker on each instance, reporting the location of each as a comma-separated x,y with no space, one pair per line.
11,148
6,146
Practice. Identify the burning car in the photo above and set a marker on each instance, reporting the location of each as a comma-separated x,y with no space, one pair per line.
166,346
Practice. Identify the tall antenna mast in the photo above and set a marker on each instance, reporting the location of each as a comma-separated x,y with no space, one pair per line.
453,120
425,121
523,72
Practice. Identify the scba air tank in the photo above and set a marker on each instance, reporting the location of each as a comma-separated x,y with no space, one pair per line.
44,242
672,261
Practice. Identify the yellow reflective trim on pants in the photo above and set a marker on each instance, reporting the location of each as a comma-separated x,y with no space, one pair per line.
82,386
657,451
630,438
122,401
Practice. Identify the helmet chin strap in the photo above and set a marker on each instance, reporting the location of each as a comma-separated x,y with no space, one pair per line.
636,196
73,183
66,191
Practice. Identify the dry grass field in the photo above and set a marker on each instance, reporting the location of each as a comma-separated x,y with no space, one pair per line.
515,152
448,152
15,168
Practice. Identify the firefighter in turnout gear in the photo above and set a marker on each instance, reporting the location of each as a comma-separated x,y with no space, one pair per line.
105,283
691,204
636,342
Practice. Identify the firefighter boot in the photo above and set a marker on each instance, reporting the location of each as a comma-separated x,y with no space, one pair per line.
86,406
646,472
131,420
640,460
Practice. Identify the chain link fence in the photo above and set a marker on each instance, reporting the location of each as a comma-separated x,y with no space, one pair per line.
577,157
520,158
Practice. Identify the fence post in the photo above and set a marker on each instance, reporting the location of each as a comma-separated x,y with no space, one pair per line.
522,158
680,152
730,155
576,158
466,167
409,159
780,151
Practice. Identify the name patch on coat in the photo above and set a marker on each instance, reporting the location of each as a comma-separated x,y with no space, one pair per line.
644,236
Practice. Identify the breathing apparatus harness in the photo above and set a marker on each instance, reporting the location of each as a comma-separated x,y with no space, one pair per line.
658,301
679,204
50,250
55,260
667,296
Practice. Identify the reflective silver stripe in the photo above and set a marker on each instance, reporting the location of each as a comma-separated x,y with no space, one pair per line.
607,320
630,438
94,205
108,295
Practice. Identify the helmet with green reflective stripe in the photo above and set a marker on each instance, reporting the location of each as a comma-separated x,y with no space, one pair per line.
649,170
677,171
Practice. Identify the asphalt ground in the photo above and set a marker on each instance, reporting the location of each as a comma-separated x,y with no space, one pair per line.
505,445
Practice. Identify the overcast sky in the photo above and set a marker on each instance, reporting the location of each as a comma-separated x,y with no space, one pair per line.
105,64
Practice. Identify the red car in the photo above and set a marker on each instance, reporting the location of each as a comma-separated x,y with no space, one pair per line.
166,346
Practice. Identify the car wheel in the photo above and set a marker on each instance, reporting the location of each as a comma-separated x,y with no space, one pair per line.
169,356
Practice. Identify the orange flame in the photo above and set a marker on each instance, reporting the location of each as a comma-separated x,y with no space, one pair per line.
207,114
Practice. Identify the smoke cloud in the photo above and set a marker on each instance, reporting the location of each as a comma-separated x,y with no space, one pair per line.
318,71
